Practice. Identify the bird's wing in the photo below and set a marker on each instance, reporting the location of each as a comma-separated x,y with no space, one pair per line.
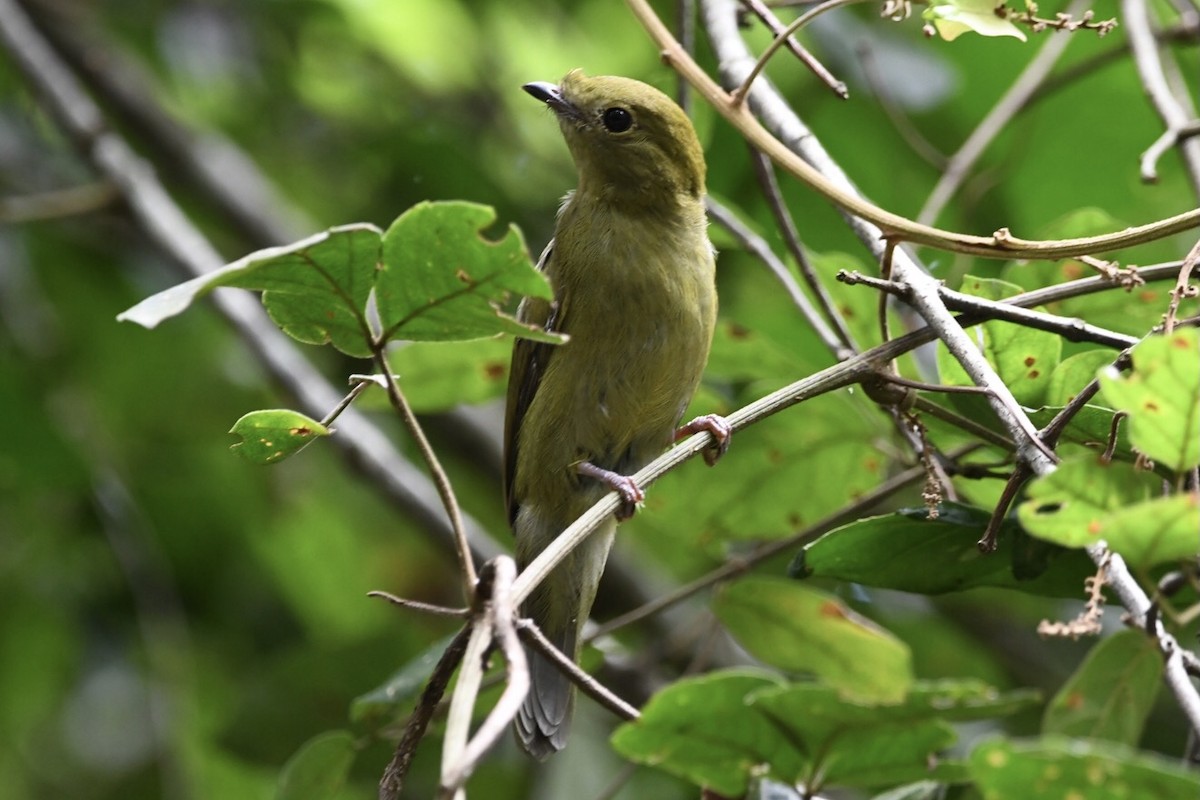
529,362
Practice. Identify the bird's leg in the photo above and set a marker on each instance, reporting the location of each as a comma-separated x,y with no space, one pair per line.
631,493
715,424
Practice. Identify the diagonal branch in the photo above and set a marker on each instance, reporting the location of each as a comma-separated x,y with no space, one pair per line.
720,15
1136,16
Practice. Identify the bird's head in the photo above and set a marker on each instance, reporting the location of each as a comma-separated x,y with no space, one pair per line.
628,139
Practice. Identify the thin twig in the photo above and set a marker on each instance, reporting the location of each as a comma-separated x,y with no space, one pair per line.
57,203
1169,138
417,605
738,96
765,14
1070,328
1137,604
764,170
926,406
586,683
1183,287
502,613
440,479
758,247
462,701
1149,62
344,403
392,781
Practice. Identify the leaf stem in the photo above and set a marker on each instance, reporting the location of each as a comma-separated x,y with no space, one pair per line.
440,479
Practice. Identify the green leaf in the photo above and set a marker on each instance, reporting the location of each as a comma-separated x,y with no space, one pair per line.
441,279
272,435
702,730
434,277
1085,501
912,553
393,699
318,769
854,743
799,629
1054,768
1074,373
316,289
1161,394
1023,357
1112,692
955,17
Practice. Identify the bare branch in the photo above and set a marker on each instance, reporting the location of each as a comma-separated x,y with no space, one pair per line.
1149,62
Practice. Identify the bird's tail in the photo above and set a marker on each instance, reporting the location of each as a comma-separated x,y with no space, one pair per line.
544,720
559,606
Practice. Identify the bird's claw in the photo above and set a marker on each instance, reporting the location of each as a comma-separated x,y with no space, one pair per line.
721,432
631,494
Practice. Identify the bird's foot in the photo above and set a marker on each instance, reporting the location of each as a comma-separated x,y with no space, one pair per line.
631,493
715,424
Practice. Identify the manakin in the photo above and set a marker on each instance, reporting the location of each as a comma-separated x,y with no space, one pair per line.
632,271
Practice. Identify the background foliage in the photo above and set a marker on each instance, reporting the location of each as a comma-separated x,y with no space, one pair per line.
178,622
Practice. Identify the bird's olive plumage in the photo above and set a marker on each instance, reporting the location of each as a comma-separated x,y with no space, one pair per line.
633,277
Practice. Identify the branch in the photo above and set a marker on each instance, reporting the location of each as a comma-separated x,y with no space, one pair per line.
719,16
501,614
586,683
1149,64
1138,605
1072,329
764,13
392,781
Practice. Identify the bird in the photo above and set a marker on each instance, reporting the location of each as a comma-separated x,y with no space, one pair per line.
634,291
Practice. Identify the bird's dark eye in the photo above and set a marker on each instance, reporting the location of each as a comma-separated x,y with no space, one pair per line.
617,120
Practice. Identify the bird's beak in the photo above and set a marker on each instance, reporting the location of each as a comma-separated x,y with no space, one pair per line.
552,96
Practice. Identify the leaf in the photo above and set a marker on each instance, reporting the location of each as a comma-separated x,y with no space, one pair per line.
1161,394
702,730
315,289
1112,692
799,629
434,278
318,769
855,743
955,17
442,280
1024,358
1074,373
393,699
912,553
1085,501
272,435
1054,768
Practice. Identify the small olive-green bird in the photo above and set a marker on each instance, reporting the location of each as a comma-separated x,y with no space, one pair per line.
632,271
